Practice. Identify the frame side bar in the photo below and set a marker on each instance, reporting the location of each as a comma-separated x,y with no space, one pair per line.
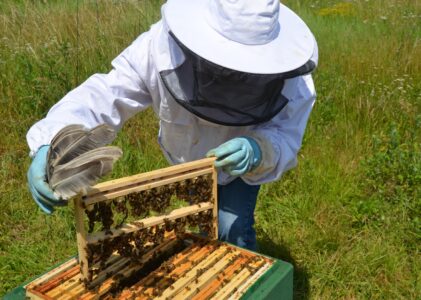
81,238
215,202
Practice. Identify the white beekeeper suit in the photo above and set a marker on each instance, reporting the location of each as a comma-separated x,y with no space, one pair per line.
134,84
231,77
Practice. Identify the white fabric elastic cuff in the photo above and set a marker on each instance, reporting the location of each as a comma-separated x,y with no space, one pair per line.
266,165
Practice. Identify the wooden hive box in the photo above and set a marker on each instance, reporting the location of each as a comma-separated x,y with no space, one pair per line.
155,257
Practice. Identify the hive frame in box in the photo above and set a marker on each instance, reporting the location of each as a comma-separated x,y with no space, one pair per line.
145,181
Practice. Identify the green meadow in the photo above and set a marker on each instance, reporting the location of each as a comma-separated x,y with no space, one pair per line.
348,217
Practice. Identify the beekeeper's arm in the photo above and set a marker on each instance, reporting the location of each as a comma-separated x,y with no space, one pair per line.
270,149
280,139
104,98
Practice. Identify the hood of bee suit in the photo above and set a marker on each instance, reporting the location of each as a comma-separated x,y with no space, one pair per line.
230,58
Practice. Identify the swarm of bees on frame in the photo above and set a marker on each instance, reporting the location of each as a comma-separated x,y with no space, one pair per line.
112,214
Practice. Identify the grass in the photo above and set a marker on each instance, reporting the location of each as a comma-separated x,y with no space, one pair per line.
348,217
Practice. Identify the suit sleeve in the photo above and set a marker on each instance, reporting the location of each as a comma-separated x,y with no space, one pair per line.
280,139
103,98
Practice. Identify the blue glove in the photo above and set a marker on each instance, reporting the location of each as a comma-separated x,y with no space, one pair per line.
38,186
237,156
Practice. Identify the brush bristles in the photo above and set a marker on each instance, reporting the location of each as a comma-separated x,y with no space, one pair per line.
78,158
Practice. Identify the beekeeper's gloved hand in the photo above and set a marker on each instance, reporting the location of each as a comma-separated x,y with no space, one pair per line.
237,156
37,180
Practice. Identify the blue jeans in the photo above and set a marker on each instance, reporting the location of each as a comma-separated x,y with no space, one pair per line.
236,203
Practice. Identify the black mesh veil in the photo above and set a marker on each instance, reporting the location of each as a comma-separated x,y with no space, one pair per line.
224,96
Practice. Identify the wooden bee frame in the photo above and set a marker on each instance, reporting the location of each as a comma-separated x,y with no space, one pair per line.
141,182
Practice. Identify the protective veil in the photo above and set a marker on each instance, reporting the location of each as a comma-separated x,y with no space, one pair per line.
225,96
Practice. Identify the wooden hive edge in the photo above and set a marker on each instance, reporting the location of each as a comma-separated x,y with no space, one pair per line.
52,273
31,288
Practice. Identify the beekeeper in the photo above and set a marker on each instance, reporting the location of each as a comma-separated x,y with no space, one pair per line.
229,78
